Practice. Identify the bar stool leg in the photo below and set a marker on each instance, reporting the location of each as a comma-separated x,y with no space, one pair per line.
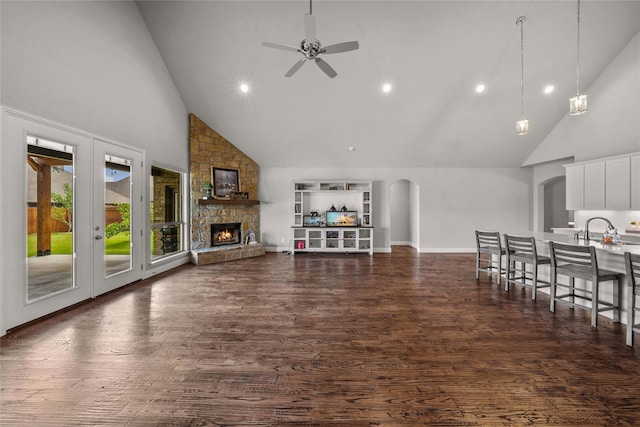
595,297
617,300
552,290
534,286
572,283
510,265
631,295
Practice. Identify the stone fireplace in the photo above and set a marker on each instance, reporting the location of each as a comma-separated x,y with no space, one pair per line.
209,149
226,234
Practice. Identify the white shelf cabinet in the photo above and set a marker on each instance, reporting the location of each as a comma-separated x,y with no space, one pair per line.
333,239
319,196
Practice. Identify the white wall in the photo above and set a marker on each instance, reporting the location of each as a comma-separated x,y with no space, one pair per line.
453,202
400,213
612,124
91,66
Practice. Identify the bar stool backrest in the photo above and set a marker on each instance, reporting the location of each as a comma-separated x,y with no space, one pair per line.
525,246
632,263
488,241
580,256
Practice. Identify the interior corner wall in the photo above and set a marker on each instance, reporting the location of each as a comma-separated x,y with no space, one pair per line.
452,203
611,125
400,213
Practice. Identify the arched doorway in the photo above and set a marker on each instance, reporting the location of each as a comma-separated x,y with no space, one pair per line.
554,200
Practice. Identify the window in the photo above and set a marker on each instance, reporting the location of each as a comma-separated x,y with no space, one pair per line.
50,202
167,225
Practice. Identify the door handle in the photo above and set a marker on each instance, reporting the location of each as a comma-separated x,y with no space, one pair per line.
97,237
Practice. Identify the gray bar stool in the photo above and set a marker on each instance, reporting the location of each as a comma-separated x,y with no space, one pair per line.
523,250
632,263
488,245
580,262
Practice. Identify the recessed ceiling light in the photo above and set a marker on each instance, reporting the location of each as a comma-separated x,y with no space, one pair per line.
386,88
480,88
244,88
548,89
351,148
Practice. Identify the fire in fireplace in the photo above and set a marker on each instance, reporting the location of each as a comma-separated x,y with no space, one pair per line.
226,234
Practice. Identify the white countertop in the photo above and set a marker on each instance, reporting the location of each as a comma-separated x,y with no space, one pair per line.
613,249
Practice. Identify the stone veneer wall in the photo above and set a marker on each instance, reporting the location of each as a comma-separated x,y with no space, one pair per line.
208,149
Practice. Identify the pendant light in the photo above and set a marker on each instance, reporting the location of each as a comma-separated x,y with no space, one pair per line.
578,104
522,126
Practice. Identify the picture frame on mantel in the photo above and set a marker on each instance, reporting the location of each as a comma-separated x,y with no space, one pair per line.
225,181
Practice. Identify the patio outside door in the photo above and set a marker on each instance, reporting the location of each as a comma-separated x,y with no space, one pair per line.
73,226
117,218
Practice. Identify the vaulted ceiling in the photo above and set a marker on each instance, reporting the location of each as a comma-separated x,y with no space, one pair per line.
433,53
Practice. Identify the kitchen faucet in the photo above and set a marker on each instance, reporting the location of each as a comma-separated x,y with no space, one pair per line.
586,225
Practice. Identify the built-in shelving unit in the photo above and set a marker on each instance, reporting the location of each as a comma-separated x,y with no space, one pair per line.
316,198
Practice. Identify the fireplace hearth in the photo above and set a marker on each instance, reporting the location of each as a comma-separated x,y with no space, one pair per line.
226,234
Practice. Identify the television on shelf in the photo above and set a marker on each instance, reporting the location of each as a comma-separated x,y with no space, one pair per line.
342,219
311,221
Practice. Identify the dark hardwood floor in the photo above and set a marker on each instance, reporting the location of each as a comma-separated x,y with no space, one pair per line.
320,340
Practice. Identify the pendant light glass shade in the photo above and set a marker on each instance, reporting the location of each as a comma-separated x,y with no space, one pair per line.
578,103
522,126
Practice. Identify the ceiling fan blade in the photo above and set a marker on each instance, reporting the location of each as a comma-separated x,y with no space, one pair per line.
326,68
309,27
340,47
280,46
295,67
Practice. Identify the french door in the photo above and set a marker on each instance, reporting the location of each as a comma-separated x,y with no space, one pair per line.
75,218
117,216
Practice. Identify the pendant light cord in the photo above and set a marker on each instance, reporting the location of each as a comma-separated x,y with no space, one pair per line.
578,54
310,7
520,21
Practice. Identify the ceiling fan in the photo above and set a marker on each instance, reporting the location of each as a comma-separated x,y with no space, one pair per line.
311,48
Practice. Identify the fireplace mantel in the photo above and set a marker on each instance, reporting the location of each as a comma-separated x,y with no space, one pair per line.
228,202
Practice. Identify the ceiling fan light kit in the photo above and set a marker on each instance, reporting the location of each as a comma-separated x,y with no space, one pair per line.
310,47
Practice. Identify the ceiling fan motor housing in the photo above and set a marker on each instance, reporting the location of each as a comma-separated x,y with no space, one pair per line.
310,50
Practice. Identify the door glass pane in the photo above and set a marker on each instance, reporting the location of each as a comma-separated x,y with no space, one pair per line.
117,226
50,262
166,212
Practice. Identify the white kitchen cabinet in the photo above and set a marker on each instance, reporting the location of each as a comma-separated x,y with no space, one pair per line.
594,185
575,187
635,182
618,183
609,183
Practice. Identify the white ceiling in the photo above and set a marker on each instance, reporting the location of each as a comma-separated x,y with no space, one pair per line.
432,52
